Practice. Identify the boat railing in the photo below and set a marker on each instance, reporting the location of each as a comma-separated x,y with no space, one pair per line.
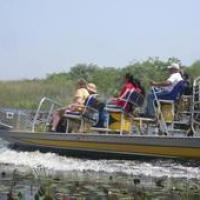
157,106
195,119
4,125
191,119
48,110
14,119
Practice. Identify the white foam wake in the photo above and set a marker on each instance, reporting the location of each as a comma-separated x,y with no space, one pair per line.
52,161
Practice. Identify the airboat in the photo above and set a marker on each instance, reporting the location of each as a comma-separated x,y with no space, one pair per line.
175,133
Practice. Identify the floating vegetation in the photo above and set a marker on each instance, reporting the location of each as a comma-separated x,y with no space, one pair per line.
41,184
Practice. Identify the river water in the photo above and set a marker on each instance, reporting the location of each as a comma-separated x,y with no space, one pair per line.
36,175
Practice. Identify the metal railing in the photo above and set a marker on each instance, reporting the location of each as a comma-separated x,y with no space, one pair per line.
48,112
161,119
195,119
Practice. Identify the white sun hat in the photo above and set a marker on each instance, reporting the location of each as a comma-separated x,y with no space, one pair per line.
174,66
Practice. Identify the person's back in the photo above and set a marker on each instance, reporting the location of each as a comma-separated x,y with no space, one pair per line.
139,88
188,89
80,97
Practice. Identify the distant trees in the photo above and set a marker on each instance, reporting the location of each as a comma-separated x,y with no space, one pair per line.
61,86
194,69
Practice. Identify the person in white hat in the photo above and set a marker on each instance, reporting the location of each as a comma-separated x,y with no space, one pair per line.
174,78
165,86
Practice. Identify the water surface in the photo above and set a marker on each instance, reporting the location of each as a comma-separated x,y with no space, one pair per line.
96,179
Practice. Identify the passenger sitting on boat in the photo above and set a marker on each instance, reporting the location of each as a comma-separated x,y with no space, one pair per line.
98,104
188,88
163,88
91,88
93,102
76,106
129,85
138,84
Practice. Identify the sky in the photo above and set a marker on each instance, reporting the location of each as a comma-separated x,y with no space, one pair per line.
40,37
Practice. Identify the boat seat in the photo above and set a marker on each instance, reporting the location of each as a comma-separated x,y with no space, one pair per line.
86,116
120,118
164,104
140,122
114,108
168,100
131,100
75,115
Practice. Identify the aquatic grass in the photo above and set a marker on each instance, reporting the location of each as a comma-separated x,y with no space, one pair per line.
60,86
45,185
26,94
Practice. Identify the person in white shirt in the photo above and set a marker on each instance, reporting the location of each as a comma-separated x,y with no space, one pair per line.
165,86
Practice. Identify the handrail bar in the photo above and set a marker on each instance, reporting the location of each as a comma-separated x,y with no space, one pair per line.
5,125
161,121
39,108
195,101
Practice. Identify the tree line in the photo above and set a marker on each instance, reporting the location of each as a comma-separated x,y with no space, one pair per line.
60,86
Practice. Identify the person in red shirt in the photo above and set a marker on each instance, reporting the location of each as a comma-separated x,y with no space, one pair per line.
129,85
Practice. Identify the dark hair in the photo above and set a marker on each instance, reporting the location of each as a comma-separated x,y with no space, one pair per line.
129,77
188,88
185,76
135,81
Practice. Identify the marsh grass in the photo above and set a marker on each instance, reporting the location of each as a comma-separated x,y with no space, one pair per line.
60,86
27,93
